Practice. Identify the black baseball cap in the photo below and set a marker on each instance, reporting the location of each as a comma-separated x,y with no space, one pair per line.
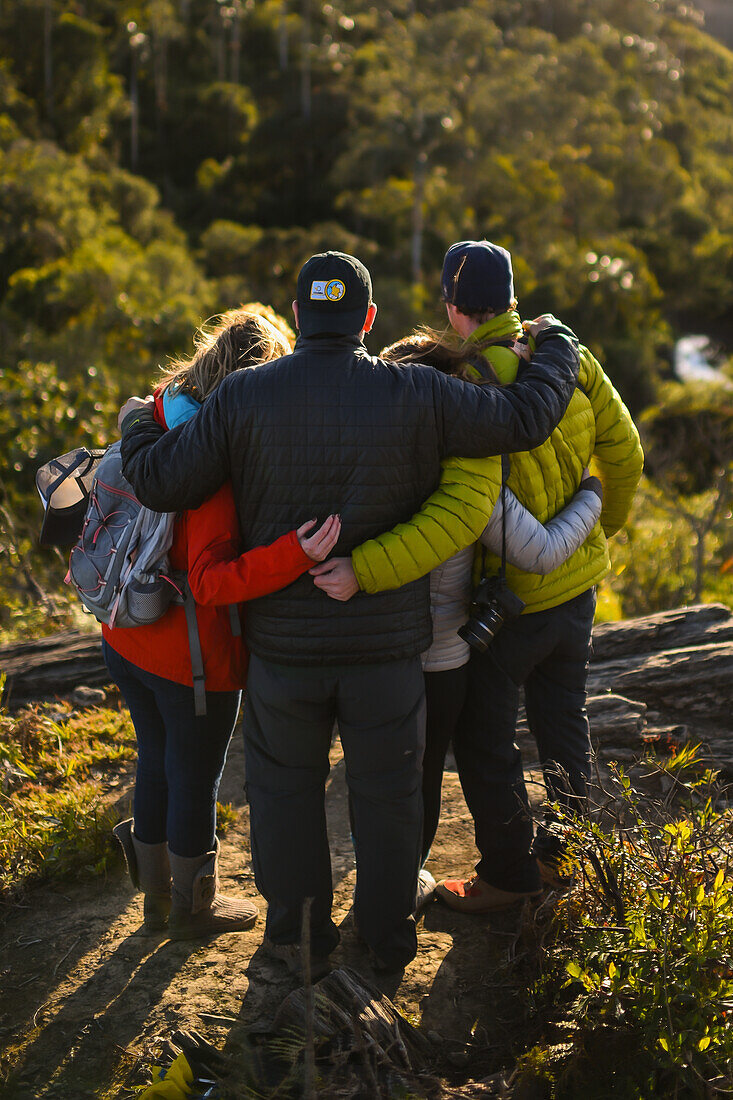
334,293
477,275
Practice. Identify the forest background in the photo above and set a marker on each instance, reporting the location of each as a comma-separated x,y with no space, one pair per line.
162,161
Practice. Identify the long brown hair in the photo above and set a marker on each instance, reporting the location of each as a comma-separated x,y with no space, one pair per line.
440,349
231,341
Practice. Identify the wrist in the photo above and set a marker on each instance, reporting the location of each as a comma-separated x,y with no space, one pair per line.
136,416
593,484
359,574
552,331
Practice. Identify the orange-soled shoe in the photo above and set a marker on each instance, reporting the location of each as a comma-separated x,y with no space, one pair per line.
476,896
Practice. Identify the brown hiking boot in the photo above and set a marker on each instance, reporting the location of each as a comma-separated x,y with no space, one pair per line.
149,868
198,908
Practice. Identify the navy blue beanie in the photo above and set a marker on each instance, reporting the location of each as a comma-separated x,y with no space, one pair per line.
477,276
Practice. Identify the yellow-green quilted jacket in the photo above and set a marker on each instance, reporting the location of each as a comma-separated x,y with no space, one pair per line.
596,430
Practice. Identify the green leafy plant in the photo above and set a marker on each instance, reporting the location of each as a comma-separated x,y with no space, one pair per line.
639,953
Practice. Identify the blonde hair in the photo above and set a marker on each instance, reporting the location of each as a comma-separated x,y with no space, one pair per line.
441,350
231,341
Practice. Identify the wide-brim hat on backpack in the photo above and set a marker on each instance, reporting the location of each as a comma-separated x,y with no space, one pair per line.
64,485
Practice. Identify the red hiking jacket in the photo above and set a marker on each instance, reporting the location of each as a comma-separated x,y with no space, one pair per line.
206,545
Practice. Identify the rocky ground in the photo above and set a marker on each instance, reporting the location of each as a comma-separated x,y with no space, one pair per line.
86,1000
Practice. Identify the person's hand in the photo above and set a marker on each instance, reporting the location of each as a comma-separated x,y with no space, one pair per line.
336,578
320,543
534,328
588,481
521,348
134,403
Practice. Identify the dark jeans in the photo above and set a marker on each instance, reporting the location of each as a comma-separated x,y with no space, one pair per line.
445,693
180,758
548,653
289,714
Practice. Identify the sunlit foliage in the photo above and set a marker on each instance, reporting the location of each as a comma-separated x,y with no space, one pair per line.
163,161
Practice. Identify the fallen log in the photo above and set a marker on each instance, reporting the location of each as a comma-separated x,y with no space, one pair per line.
697,680
680,662
45,668
683,627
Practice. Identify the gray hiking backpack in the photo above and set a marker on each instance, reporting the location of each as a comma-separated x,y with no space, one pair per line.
119,565
120,568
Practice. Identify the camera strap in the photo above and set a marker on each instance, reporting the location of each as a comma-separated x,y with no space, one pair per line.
505,469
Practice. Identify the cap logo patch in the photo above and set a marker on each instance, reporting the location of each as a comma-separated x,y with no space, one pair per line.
327,290
335,290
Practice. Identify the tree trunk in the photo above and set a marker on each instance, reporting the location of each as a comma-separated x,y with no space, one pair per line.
236,46
282,37
48,58
418,218
305,60
134,112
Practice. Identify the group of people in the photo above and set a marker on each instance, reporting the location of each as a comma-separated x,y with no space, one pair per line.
353,503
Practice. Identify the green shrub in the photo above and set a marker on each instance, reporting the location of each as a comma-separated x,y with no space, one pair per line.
637,973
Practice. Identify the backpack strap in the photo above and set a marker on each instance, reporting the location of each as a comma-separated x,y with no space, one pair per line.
194,639
234,620
197,658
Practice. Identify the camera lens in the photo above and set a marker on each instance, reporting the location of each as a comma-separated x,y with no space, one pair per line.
479,633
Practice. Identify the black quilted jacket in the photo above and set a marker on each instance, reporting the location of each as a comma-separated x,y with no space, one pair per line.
332,429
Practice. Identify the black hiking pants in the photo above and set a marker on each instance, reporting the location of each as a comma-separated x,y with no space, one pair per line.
289,717
548,653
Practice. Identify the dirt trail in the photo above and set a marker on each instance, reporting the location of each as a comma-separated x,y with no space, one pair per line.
86,1000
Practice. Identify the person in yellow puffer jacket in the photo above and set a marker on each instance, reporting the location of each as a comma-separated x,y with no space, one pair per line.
545,649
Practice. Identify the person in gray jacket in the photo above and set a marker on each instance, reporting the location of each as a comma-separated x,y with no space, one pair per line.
331,429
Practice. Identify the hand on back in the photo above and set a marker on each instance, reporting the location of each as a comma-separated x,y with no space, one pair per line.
336,578
320,543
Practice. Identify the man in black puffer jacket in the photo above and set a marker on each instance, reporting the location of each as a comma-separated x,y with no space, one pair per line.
331,429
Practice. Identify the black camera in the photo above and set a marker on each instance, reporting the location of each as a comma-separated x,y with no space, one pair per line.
493,603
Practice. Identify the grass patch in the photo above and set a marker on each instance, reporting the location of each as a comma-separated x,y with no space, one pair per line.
226,817
57,769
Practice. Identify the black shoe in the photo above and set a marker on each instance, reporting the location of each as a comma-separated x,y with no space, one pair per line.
291,955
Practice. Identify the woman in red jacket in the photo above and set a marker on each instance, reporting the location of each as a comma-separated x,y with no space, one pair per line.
170,844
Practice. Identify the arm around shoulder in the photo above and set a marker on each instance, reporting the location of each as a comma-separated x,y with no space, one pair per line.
179,469
483,420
